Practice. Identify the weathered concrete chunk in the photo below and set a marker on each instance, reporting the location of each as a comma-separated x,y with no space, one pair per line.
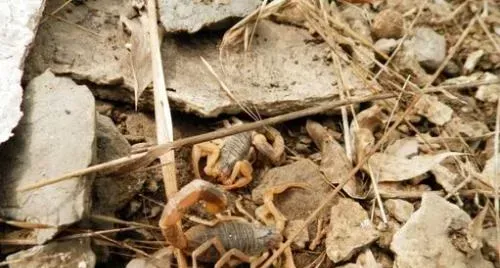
436,236
191,16
112,193
17,31
350,230
293,204
55,136
65,254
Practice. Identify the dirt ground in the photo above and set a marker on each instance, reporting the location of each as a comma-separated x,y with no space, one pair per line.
420,148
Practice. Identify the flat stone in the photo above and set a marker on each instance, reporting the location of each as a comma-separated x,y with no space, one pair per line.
292,203
60,254
436,236
111,193
350,230
58,132
18,29
428,47
281,72
401,210
191,16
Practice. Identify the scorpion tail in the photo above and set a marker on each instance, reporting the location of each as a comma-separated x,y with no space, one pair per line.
195,191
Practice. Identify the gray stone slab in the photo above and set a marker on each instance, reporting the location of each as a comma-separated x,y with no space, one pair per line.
193,15
55,136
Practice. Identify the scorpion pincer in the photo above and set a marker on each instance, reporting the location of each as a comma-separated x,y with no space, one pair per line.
244,240
227,157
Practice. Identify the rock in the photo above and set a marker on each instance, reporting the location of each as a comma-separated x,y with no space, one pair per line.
58,132
350,230
98,55
111,193
386,45
161,258
60,254
191,16
389,23
434,110
386,232
19,26
401,210
472,60
488,93
293,204
297,80
431,236
428,47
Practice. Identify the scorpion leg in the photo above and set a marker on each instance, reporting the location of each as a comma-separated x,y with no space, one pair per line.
275,151
230,253
245,169
280,219
205,246
210,149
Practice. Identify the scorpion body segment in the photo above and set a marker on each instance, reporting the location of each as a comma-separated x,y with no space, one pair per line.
235,148
248,238
227,158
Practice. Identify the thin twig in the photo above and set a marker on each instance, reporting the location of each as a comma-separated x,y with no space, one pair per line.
134,162
118,221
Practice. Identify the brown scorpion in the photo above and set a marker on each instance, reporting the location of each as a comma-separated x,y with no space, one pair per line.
227,238
227,158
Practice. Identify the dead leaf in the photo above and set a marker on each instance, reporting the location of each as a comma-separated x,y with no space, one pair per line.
403,148
393,168
140,53
335,164
434,110
475,230
489,171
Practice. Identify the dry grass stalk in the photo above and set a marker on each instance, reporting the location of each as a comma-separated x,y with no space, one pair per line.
134,162
496,170
375,148
163,116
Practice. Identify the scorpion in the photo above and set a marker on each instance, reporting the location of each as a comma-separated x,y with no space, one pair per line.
245,240
227,158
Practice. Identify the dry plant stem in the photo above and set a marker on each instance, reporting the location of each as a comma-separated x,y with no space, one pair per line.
124,245
134,162
56,11
488,33
495,179
163,117
376,147
118,221
95,233
57,255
